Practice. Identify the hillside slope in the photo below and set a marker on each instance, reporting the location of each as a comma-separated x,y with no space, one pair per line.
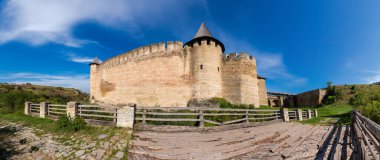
365,98
13,96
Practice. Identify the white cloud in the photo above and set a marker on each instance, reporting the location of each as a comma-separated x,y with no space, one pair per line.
38,22
269,65
79,81
79,59
373,77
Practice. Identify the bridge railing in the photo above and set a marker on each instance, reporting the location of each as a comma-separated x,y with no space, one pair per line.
366,136
201,116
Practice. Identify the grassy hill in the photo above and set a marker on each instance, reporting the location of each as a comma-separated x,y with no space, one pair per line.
13,96
364,97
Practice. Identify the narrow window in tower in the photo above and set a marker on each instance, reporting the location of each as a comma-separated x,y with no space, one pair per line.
218,69
201,66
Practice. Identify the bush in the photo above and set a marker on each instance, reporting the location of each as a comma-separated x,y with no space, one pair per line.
69,124
332,94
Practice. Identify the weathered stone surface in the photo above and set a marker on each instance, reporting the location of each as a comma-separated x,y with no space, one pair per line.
119,155
45,146
102,136
156,75
79,153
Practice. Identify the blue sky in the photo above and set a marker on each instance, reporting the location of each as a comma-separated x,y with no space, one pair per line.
299,44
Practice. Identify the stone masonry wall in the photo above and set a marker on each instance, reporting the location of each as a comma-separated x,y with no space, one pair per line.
310,98
263,96
206,63
240,83
170,75
147,76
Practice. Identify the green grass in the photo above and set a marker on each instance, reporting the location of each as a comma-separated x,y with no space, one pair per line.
337,114
45,125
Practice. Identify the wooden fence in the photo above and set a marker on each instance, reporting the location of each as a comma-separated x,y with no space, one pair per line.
56,110
366,136
98,114
209,116
34,109
93,114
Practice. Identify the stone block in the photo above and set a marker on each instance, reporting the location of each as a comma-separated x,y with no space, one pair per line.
125,116
299,114
72,109
285,114
43,109
27,108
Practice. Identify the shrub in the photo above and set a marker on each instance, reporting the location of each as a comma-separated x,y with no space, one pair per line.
69,124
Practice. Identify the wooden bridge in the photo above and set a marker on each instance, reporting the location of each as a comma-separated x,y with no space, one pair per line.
272,139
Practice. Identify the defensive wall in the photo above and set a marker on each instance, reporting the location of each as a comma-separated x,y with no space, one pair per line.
170,75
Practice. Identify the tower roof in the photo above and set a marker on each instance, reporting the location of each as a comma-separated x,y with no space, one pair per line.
202,32
95,61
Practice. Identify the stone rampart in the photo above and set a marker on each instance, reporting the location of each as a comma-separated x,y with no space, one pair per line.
143,53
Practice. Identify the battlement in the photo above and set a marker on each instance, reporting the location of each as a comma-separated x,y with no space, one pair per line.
144,51
238,56
203,42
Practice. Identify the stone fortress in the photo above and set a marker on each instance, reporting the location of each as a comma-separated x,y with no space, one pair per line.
173,74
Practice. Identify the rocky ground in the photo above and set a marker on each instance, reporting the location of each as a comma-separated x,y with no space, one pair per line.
21,142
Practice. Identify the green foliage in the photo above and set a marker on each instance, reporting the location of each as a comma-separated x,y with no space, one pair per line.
223,103
14,100
332,94
70,124
13,97
337,114
368,103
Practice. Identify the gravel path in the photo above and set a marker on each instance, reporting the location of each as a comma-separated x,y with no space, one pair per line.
272,141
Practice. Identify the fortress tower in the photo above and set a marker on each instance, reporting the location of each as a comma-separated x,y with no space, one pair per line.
206,64
172,74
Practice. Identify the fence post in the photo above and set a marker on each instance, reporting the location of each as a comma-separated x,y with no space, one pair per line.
125,116
27,108
309,114
143,116
72,109
299,114
115,115
201,120
246,116
43,109
285,114
316,113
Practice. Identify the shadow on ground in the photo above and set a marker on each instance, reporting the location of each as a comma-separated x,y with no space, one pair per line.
6,149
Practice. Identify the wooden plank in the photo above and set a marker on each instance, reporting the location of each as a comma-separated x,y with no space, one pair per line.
57,112
233,121
167,114
366,141
59,109
93,115
370,125
57,105
97,111
89,106
223,114
213,122
167,119
263,118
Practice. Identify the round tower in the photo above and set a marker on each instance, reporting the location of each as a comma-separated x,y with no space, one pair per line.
206,64
93,74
